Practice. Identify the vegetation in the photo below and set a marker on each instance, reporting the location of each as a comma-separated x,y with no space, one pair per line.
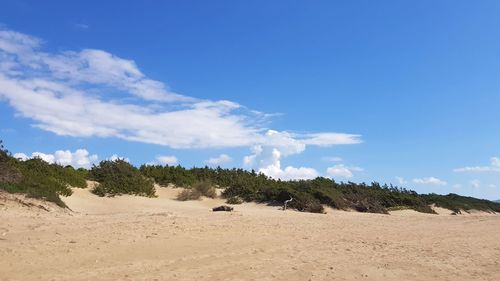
188,195
201,188
120,177
49,181
37,178
458,203
234,200
205,188
310,195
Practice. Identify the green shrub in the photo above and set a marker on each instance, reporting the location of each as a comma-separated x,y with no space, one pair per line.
120,177
75,178
305,202
240,190
456,203
331,197
36,178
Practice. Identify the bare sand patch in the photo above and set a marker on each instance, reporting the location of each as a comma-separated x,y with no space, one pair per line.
136,238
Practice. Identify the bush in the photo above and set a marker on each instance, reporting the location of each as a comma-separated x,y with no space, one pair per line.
369,206
75,178
120,177
188,195
456,203
37,179
304,202
234,200
240,190
331,197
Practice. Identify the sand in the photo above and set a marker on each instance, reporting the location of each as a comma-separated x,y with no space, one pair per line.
135,238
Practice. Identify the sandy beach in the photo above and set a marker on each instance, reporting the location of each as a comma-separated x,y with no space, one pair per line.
136,238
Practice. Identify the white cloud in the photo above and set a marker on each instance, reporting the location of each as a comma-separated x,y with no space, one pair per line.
93,93
167,160
267,159
49,158
329,139
493,167
401,180
429,181
343,171
284,142
15,42
332,159
289,173
21,156
475,183
266,156
115,157
67,93
101,67
78,159
221,159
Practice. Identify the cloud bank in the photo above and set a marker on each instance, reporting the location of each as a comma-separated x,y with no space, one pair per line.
78,159
93,93
266,158
493,167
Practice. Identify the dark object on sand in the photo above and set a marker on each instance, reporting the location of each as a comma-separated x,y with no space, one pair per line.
223,208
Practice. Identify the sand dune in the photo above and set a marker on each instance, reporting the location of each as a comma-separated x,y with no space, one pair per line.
135,238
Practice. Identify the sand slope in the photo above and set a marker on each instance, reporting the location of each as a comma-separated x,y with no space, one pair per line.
134,238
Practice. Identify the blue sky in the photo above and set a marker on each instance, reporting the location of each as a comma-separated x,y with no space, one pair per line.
403,92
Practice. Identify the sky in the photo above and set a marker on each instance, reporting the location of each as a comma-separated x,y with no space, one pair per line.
401,92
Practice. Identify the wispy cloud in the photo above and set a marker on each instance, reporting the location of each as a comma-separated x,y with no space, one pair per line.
332,159
343,171
430,181
81,94
401,180
493,167
88,93
475,183
221,159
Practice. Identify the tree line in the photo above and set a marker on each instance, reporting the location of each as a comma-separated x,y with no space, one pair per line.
39,179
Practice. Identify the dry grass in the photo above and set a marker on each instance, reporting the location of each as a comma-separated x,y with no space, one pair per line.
189,194
202,188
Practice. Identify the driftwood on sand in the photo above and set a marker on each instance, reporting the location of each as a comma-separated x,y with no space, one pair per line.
222,208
